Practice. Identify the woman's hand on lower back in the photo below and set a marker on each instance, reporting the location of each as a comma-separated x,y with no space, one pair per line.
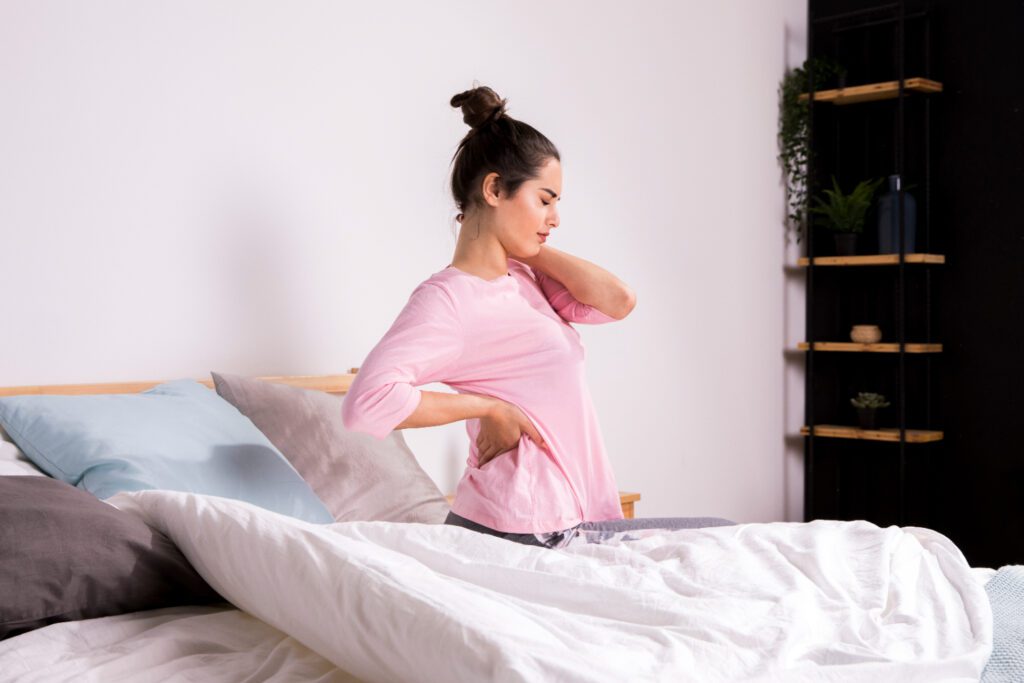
501,430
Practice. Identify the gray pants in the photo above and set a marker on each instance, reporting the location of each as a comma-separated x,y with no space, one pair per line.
595,532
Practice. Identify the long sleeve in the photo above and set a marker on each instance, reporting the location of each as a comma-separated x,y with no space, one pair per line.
568,307
425,340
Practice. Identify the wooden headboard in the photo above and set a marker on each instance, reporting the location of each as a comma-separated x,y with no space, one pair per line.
332,384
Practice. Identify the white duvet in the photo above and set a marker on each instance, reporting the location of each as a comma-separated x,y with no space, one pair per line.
211,644
821,601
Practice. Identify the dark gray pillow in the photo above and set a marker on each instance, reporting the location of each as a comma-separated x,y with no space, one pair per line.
357,476
65,555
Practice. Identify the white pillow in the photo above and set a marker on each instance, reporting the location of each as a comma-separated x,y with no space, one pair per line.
14,462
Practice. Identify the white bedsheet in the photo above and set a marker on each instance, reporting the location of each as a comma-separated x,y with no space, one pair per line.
210,644
823,601
14,463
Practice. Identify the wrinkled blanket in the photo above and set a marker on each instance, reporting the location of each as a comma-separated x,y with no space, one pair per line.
783,601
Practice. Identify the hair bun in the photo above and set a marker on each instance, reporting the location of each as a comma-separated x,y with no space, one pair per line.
481,106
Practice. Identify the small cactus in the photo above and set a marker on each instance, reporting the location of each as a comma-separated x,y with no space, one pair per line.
868,399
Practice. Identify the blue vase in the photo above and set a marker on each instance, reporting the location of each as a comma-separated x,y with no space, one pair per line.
889,219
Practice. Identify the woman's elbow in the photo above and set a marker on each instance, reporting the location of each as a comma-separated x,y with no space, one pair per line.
355,420
354,414
349,414
376,411
625,306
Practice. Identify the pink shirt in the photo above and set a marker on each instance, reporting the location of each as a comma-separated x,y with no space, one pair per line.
509,338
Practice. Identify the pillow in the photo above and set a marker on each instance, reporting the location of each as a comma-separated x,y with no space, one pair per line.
14,462
359,477
65,555
178,435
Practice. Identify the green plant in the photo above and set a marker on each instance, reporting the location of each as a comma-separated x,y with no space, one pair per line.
794,120
868,399
845,212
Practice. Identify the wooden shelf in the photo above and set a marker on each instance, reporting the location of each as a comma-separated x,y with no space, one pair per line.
877,347
881,434
874,91
872,260
626,500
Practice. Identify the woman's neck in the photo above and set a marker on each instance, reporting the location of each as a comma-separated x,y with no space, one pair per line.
480,254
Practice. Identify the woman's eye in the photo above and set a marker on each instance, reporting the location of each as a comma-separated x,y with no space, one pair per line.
544,202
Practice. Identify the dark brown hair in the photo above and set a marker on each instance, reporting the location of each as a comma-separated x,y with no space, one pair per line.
496,143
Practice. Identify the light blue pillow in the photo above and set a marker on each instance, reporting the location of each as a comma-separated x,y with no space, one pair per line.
178,435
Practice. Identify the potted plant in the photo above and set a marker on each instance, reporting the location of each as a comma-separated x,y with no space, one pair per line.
867,404
844,213
794,120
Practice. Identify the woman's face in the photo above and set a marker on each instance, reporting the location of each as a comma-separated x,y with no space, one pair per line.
525,219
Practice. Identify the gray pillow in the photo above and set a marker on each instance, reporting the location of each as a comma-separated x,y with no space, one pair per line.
357,476
65,555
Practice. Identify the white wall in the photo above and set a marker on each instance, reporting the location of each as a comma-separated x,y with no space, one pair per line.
256,188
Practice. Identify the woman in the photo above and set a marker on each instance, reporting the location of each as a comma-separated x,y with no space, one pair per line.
494,326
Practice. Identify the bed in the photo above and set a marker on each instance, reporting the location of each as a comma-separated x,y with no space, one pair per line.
361,596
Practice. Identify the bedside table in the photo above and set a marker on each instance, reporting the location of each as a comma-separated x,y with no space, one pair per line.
626,500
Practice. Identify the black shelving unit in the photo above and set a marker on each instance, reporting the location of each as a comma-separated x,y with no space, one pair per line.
886,478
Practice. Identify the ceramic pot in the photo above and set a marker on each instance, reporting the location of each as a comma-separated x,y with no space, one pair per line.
865,334
866,417
846,243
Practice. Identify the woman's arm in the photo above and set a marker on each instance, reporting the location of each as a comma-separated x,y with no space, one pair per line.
501,423
441,408
422,346
586,281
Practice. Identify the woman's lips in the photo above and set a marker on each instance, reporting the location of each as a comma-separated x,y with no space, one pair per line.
543,237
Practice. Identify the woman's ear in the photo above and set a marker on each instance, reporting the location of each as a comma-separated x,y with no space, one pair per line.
491,188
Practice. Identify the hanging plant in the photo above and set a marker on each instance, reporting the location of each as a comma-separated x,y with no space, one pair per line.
794,120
